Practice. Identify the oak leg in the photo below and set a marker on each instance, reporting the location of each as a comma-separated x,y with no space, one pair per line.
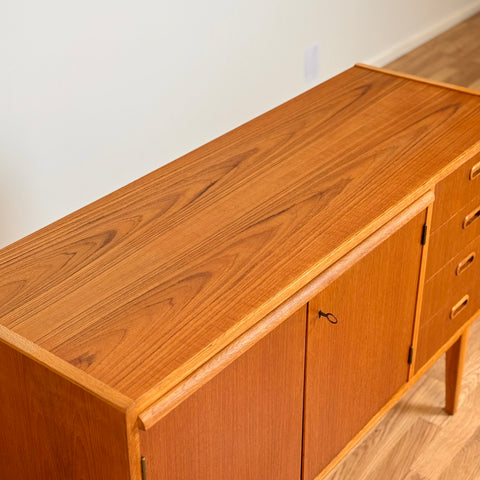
455,361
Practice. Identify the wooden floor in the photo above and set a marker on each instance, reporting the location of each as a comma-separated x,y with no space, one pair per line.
453,56
417,440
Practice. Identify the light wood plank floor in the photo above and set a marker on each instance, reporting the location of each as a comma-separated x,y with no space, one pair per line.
453,56
417,440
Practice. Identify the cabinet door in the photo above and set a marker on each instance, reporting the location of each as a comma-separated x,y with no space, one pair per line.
355,366
245,423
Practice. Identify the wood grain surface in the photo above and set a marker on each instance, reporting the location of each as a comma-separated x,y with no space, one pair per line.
449,57
451,238
142,287
434,332
421,288
354,367
454,192
54,430
417,440
446,285
417,78
455,363
164,405
246,423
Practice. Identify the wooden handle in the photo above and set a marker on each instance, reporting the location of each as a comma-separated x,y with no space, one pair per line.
475,171
465,263
471,217
458,307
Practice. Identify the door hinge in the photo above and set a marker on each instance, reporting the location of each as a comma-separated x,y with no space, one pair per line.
143,465
424,234
410,355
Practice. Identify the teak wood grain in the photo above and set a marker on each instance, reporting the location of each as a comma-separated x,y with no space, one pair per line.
455,362
435,331
144,286
246,423
53,429
354,367
455,191
421,288
157,410
422,79
417,440
451,238
446,285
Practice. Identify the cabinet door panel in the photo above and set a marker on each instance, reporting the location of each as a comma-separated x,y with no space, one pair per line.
355,366
245,423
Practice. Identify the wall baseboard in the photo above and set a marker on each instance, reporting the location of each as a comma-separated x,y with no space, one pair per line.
404,46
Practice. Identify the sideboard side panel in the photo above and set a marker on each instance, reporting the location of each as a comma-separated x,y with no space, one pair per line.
52,429
245,423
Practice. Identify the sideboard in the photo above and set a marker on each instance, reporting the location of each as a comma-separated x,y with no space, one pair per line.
250,310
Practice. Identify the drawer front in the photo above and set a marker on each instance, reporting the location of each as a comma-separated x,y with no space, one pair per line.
436,332
456,191
448,284
453,236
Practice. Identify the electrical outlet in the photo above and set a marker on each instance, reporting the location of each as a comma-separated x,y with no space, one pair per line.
311,63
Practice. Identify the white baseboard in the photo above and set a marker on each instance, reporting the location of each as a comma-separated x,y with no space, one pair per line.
414,41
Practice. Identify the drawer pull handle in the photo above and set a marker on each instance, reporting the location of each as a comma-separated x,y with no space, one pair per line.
465,263
329,316
475,171
471,217
457,308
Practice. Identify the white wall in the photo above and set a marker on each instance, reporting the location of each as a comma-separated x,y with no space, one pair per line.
94,94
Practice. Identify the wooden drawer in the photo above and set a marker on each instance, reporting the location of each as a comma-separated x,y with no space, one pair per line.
456,191
448,284
453,236
435,332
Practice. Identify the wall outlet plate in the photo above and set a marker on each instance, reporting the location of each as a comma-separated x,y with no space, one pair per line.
311,63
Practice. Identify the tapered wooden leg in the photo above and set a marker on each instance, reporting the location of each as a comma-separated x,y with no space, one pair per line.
455,361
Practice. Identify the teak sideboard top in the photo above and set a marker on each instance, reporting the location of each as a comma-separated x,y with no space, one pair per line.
133,295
